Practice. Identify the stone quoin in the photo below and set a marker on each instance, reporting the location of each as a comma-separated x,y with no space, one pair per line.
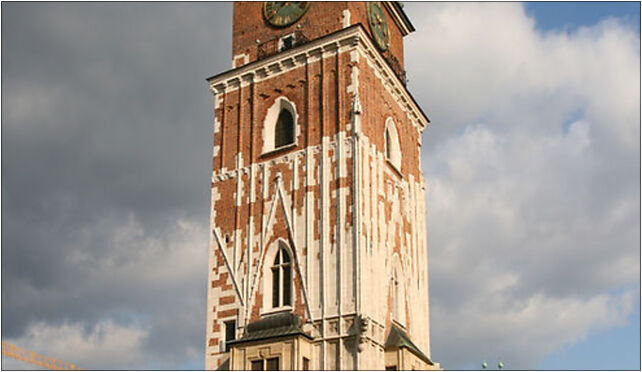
317,252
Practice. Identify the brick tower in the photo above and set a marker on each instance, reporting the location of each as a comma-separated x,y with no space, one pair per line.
317,255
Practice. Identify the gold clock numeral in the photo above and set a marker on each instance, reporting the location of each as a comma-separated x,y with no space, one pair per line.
282,14
378,24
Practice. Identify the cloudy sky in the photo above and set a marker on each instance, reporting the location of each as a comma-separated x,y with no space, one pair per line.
532,163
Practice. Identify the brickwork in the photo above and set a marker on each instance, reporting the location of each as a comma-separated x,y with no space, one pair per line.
322,18
351,219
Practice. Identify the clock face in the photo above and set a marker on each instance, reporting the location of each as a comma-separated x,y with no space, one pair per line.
284,13
378,24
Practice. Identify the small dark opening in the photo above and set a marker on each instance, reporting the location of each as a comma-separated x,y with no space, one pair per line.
257,365
286,285
284,131
388,145
272,364
288,42
230,332
275,287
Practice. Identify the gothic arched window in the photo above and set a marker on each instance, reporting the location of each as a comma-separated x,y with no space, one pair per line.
282,278
284,130
280,126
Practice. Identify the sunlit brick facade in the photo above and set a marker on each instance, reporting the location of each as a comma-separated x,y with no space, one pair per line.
317,255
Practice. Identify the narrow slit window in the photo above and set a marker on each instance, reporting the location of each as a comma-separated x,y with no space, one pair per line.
388,145
230,332
275,286
287,278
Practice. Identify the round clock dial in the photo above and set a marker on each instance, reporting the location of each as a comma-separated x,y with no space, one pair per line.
284,13
378,24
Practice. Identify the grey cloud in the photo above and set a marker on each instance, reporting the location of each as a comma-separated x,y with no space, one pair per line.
107,128
106,144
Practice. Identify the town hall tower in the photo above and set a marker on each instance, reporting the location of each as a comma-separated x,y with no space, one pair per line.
317,252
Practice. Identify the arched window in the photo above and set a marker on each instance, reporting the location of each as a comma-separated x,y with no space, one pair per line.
392,148
280,126
284,130
282,278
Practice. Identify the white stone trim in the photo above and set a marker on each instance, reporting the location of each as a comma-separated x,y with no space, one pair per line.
348,39
278,198
269,124
395,150
346,18
268,261
396,17
240,60
224,174
221,247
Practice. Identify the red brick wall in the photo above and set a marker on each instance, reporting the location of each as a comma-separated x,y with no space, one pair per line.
323,109
319,92
378,105
322,18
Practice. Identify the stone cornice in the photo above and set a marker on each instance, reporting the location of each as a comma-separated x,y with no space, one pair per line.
285,61
348,39
399,16
392,82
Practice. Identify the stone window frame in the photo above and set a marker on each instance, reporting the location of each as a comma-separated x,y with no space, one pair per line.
283,39
268,279
392,149
270,121
264,362
223,336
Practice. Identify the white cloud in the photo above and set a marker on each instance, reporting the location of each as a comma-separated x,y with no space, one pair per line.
104,344
532,163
